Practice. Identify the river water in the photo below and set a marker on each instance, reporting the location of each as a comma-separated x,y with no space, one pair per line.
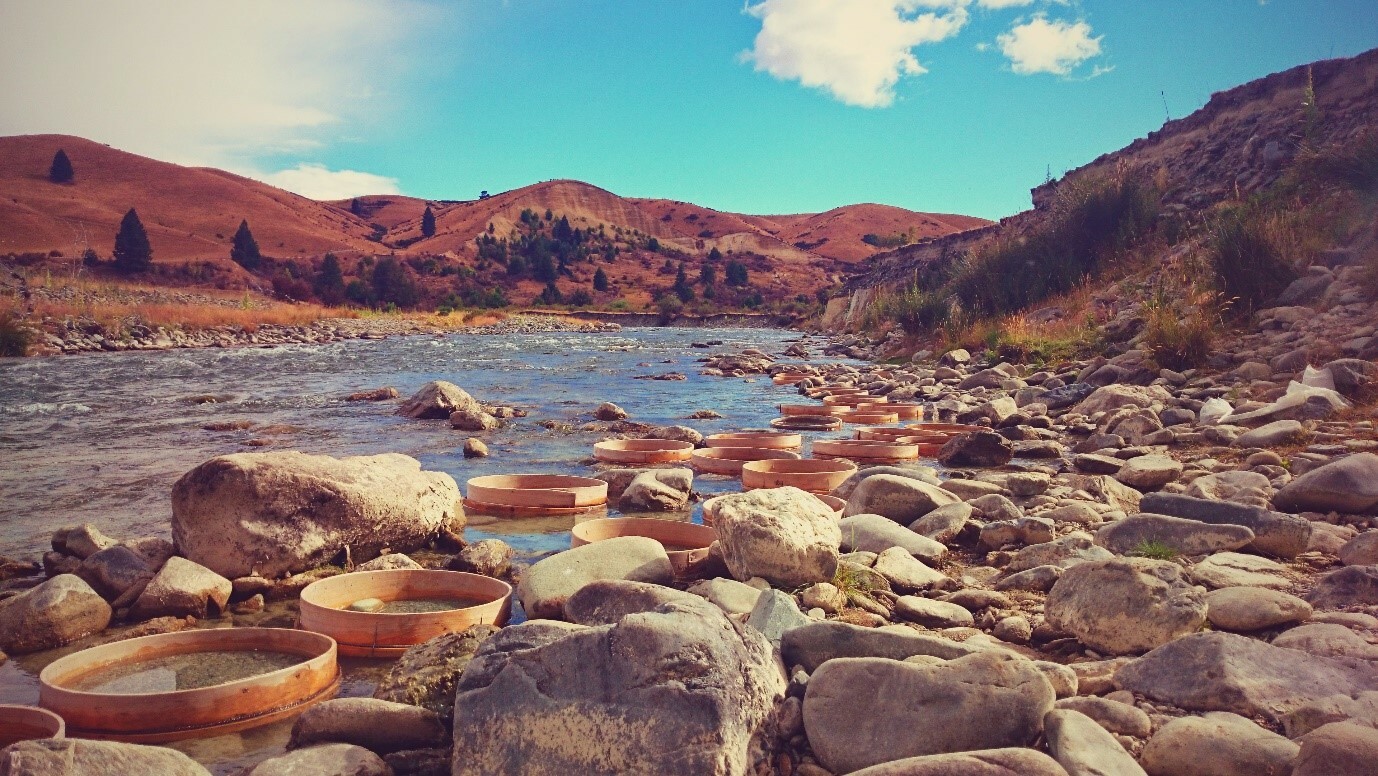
101,438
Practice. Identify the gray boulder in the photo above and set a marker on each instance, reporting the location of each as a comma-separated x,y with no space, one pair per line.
1347,485
57,612
114,570
78,757
1285,536
1187,537
1362,550
607,601
976,448
378,726
776,614
594,700
815,643
1013,761
324,760
873,533
1126,605
285,512
550,582
1064,552
437,400
983,701
183,588
901,499
1243,609
1084,748
1346,587
1228,744
783,535
657,490
426,674
1337,749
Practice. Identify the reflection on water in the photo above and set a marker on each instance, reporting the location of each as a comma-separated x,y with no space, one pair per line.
190,671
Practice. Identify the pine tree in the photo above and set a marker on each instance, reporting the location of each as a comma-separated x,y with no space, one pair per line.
329,285
682,288
737,274
708,275
244,252
356,207
61,170
600,280
428,223
715,254
133,253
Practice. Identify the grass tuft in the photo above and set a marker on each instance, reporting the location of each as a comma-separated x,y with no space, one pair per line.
1154,549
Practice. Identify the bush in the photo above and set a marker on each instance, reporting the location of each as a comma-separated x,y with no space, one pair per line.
1246,257
918,311
1180,341
15,339
1353,163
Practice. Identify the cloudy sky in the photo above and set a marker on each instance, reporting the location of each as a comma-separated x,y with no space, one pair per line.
766,106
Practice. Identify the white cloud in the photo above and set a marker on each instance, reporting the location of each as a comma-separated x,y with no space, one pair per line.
223,84
1041,46
855,49
318,182
998,4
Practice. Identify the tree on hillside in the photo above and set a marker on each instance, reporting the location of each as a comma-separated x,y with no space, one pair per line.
244,251
61,170
133,253
600,280
329,284
561,231
715,254
392,284
736,274
551,294
356,207
682,287
708,275
428,223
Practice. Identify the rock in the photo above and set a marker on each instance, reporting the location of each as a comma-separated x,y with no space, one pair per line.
473,419
393,560
873,533
1248,488
815,643
1337,749
426,674
475,448
282,513
776,614
155,550
521,710
78,757
976,448
1084,748
783,535
546,586
972,489
901,499
1362,550
1149,472
1119,718
57,612
731,596
1125,605
437,400
379,726
675,434
905,572
994,506
1327,640
1114,397
1277,433
970,703
1246,609
373,394
1064,553
489,557
823,595
1361,709
1285,536
607,601
944,523
609,411
1187,537
1016,630
956,357
988,762
1347,485
1341,589
114,570
1025,530
1080,512
1093,463
1111,492
923,474
183,588
932,614
1227,672
82,541
1353,376
1233,569
1217,744
664,490
324,760
1039,579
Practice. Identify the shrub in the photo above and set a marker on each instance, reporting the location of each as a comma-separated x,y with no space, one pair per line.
1180,340
918,311
1245,255
1353,163
15,339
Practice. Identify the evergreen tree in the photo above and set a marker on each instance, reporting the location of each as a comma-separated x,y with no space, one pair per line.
61,170
715,255
244,251
329,285
737,274
551,294
561,231
708,275
392,284
600,280
356,207
428,223
682,288
133,253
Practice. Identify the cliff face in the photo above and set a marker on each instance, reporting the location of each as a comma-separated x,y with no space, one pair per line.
1238,143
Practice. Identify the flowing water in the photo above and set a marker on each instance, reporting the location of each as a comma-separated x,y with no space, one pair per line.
101,438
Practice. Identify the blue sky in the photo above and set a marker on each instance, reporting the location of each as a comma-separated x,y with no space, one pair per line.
772,106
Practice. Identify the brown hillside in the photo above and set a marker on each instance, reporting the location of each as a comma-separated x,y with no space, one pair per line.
386,210
190,213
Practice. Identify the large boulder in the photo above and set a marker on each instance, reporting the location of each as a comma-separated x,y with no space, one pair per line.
1218,744
1337,749
114,570
1342,588
814,643
1114,397
1084,748
1362,550
901,499
1126,605
1347,485
426,674
1244,609
677,690
1187,537
548,584
1227,672
982,701
183,588
1285,536
78,757
323,760
437,400
657,490
873,533
376,725
607,601
1012,761
55,613
783,535
976,448
281,513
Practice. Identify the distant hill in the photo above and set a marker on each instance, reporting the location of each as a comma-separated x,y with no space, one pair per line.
191,215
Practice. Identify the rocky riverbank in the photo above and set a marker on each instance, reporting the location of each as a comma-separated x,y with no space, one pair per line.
1119,570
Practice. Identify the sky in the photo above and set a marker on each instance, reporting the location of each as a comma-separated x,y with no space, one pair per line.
762,106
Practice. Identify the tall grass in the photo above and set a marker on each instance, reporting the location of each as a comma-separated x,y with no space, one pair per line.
1353,163
1181,336
1245,246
